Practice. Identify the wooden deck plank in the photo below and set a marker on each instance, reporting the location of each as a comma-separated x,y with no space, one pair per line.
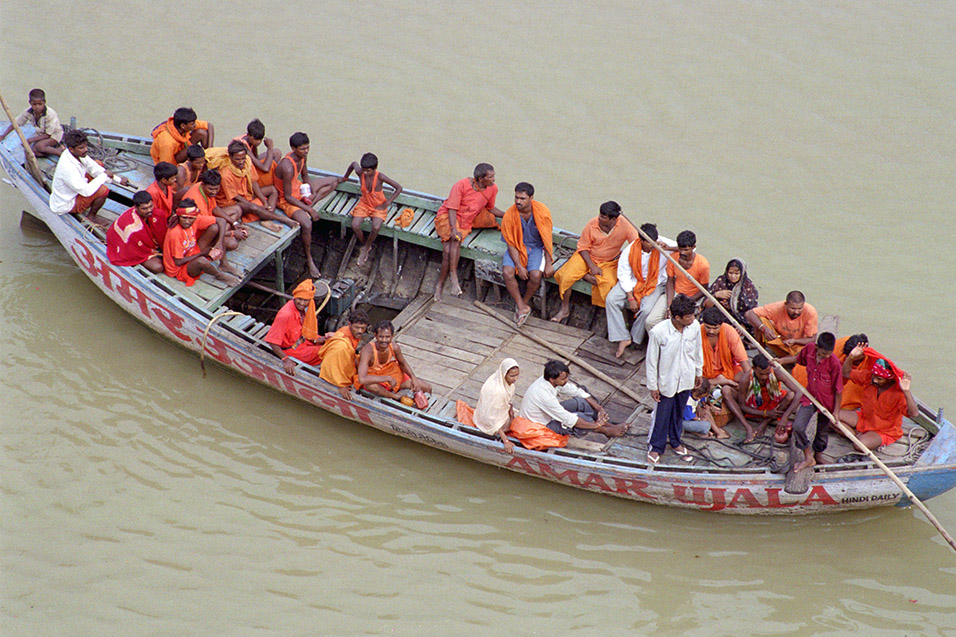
430,345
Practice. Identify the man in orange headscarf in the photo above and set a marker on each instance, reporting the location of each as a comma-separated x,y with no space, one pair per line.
339,364
527,229
596,258
294,332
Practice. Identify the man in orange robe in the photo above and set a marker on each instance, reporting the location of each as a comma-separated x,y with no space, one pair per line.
294,332
266,164
191,246
163,189
596,258
528,231
292,174
171,137
338,354
382,370
240,188
696,265
188,172
886,399
724,352
373,203
785,327
470,204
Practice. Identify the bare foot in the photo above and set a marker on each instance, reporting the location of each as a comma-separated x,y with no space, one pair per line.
762,428
819,458
92,220
750,432
313,270
228,279
721,434
561,315
806,464
292,223
621,347
613,431
439,288
228,267
455,288
363,255
590,278
272,226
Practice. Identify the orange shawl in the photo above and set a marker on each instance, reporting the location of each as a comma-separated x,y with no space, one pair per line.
514,236
310,324
531,435
720,362
643,287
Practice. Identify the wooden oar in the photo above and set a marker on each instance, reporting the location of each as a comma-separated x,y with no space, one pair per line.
839,425
32,166
571,357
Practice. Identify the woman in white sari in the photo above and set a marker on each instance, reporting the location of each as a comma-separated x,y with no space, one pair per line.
493,413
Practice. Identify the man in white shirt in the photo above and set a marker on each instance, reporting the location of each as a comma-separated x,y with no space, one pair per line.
642,290
675,364
72,190
563,407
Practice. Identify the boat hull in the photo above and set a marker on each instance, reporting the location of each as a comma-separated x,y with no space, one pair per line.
758,492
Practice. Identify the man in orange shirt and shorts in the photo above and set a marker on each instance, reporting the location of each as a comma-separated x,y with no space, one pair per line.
373,203
471,204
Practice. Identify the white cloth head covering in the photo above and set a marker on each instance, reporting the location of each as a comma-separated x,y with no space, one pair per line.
494,402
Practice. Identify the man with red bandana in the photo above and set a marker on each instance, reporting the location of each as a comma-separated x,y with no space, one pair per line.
886,399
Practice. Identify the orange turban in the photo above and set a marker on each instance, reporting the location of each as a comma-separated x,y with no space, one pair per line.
310,324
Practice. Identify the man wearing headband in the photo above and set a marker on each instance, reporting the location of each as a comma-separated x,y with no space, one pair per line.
191,246
886,399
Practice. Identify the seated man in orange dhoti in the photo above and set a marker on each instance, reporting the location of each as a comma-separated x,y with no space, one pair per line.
188,172
265,163
724,352
193,244
382,370
886,398
163,189
527,230
171,137
295,331
137,236
298,193
784,327
596,258
470,204
373,203
240,188
339,362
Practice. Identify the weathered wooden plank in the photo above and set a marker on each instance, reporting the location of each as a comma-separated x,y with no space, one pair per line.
430,345
449,364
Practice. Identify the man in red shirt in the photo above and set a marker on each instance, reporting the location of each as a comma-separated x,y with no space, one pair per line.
137,235
886,399
825,383
471,204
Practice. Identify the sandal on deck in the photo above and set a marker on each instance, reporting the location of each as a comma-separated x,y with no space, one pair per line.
521,318
684,454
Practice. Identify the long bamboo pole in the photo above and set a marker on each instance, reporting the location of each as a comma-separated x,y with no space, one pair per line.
839,425
557,350
32,166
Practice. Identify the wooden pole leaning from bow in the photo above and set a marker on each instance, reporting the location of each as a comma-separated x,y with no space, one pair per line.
839,425
31,159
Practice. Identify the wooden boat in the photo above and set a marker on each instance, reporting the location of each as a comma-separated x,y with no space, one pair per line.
456,345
